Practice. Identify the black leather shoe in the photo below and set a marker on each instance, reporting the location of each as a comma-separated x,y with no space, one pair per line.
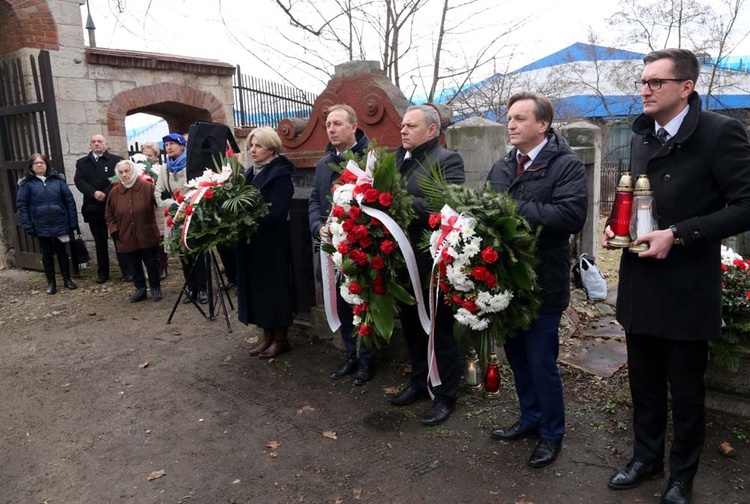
188,298
365,371
348,367
438,413
634,474
515,431
203,297
408,396
156,294
69,284
138,295
162,273
545,453
128,278
677,492
51,287
102,279
229,285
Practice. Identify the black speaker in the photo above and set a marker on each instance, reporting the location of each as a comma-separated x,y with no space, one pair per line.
207,142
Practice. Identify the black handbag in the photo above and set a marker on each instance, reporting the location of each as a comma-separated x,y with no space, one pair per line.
79,252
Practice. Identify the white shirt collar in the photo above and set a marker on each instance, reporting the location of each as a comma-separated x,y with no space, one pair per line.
673,126
533,153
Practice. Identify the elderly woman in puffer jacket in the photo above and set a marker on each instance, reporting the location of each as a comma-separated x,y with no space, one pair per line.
48,211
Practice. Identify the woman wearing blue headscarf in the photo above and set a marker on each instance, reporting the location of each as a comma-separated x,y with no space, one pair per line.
173,176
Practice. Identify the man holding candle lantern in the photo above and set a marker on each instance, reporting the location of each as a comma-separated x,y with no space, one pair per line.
548,182
669,297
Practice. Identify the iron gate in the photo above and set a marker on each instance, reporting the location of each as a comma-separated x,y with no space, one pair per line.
28,124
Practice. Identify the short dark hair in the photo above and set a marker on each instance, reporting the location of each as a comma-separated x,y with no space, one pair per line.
543,109
34,157
685,63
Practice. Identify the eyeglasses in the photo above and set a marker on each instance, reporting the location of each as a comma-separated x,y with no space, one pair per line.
654,84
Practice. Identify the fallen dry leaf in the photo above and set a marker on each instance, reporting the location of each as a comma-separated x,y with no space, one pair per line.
524,501
149,431
177,333
156,474
726,449
357,493
305,409
330,434
338,500
143,365
391,390
273,444
273,454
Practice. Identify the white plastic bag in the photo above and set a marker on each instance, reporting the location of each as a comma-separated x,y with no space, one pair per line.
592,278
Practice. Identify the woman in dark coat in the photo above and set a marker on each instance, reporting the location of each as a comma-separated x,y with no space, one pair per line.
48,211
131,223
264,289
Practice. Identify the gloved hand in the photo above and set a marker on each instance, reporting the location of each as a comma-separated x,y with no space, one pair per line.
116,236
173,207
165,195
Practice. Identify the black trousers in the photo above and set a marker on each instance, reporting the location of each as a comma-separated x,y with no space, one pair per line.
197,281
101,237
228,254
145,257
654,364
447,349
51,246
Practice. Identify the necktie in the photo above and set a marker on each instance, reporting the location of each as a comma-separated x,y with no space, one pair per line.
522,160
662,135
96,158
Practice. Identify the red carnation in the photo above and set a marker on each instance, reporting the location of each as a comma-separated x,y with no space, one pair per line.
491,281
189,210
360,309
355,212
489,255
375,222
208,194
170,222
177,193
358,257
480,273
470,305
377,263
351,238
361,189
740,264
371,195
385,199
180,198
355,288
230,152
387,247
338,211
447,258
343,248
723,267
365,330
442,268
748,295
456,300
360,231
443,286
347,226
378,284
435,220
365,242
166,212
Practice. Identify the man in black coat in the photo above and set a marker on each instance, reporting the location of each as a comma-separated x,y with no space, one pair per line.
669,297
548,182
92,179
343,135
420,150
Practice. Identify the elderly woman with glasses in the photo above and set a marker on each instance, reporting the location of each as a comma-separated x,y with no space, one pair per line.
132,224
48,211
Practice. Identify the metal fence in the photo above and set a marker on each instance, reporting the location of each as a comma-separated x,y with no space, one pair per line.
610,174
258,102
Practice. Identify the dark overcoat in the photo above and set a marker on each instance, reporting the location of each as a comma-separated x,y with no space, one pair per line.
551,193
265,296
319,205
92,176
701,184
130,212
46,208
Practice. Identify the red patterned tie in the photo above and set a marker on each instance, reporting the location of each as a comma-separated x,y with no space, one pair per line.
522,160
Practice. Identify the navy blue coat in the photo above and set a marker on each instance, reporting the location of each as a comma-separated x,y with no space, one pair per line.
265,294
46,208
319,205
551,193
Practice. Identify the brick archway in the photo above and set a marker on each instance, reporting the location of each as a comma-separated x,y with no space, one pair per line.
27,24
179,105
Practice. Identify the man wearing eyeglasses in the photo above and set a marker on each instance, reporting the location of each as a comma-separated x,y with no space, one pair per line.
669,297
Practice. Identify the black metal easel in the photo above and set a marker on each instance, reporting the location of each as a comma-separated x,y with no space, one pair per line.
212,272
